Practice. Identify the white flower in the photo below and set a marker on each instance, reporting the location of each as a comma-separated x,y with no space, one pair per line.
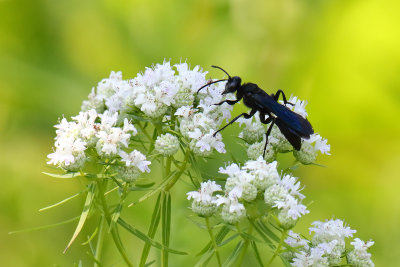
291,206
203,200
292,185
359,257
296,241
135,159
207,141
309,148
314,258
67,149
205,192
230,169
232,210
167,144
299,106
241,184
108,119
265,174
253,131
330,230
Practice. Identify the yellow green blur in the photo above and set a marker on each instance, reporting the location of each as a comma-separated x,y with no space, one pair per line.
342,56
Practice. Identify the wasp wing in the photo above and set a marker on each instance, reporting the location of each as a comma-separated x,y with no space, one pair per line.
294,122
293,138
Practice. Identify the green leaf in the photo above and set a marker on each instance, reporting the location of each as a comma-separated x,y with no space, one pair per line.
155,220
45,226
147,239
115,215
267,231
166,225
146,185
235,253
67,175
62,201
70,175
206,257
218,239
149,263
228,240
194,180
155,190
85,213
258,257
263,236
90,238
285,261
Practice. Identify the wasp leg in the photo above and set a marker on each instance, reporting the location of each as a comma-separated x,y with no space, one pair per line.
276,97
268,133
230,102
265,120
247,116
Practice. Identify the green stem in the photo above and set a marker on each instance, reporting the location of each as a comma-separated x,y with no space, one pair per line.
213,241
246,244
114,233
278,248
100,241
181,170
144,131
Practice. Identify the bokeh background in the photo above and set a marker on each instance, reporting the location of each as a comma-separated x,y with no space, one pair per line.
343,56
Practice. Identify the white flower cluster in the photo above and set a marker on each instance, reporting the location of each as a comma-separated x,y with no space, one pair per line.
99,131
166,90
254,135
327,246
258,179
160,93
203,200
199,124
166,144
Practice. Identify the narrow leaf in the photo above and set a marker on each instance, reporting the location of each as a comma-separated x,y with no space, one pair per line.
206,257
62,201
218,239
155,190
267,231
235,253
258,257
155,220
90,238
286,262
150,263
85,213
166,225
228,240
147,239
115,215
44,226
67,175
263,236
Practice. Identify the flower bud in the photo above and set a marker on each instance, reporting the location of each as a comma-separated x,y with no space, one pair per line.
167,144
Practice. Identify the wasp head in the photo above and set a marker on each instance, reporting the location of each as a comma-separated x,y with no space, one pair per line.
232,85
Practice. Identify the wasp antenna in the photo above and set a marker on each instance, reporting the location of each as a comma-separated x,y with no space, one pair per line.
210,84
222,70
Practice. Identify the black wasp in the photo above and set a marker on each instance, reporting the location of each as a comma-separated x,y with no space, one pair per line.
292,125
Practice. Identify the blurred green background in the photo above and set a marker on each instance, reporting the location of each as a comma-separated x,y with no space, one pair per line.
343,56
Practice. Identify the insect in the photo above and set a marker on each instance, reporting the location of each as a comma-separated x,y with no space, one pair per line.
292,125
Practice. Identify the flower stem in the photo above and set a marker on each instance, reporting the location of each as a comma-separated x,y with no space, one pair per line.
114,233
181,170
278,248
100,241
213,241
246,244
